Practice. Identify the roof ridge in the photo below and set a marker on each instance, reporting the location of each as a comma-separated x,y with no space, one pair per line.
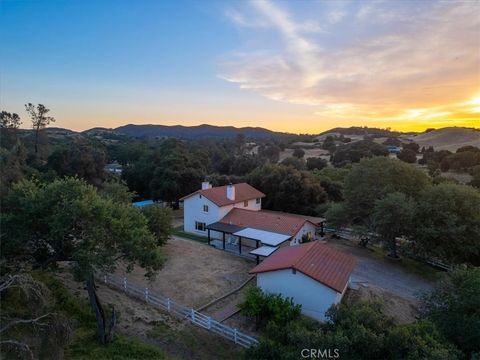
284,213
240,183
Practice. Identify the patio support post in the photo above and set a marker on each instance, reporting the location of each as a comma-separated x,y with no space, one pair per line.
239,244
258,259
256,243
223,240
208,230
321,229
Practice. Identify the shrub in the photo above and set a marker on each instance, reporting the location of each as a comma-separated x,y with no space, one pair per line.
408,156
299,153
267,308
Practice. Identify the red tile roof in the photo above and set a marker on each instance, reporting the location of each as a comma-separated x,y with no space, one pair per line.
274,221
316,260
218,194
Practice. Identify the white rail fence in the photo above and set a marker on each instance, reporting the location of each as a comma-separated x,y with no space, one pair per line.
179,310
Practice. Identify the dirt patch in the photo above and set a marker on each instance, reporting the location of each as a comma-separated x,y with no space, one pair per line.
194,273
400,309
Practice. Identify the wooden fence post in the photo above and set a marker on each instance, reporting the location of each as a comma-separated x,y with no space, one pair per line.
146,294
193,315
168,304
235,335
105,278
125,284
209,322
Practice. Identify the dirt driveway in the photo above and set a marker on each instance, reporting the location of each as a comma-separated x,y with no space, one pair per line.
381,273
194,273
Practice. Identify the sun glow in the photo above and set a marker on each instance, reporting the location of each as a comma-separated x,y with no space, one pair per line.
474,101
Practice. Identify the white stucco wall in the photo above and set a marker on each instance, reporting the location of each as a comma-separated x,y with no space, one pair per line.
306,228
193,211
314,297
252,205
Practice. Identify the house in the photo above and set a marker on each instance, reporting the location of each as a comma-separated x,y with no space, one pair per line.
312,274
115,168
232,218
392,149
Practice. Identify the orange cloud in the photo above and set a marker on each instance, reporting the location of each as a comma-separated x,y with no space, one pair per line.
422,70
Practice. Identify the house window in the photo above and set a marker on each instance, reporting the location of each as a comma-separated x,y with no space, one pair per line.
257,200
245,203
205,208
200,226
294,271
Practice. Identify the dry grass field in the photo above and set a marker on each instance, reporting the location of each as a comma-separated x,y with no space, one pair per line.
194,273
450,138
178,338
315,152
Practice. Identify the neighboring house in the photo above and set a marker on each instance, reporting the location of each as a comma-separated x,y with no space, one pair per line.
312,274
115,168
392,149
234,215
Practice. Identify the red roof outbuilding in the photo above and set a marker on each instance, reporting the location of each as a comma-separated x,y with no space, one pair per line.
314,259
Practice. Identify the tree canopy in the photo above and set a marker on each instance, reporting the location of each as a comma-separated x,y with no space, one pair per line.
288,189
447,222
68,220
372,179
453,307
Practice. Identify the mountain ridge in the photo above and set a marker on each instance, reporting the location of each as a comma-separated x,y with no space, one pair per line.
214,131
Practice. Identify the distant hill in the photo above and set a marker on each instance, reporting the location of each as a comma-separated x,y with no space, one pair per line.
195,132
450,138
360,131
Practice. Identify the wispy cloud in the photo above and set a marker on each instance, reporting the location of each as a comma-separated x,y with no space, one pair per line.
367,58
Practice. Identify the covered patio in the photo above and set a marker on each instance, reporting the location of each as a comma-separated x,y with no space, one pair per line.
266,242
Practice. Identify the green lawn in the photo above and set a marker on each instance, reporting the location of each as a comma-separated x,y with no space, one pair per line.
178,231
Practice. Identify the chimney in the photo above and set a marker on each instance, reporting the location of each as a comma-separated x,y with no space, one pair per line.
206,185
231,192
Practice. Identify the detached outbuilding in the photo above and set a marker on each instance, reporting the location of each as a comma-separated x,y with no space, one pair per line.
312,274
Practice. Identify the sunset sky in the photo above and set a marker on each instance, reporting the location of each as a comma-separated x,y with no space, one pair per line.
296,66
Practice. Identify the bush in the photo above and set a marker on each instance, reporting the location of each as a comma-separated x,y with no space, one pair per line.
316,163
295,162
453,307
299,153
411,146
354,152
408,156
358,331
267,308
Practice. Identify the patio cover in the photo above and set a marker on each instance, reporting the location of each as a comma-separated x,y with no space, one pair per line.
222,227
266,237
264,250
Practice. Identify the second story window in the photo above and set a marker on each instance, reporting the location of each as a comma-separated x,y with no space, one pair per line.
245,203
205,208
257,200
